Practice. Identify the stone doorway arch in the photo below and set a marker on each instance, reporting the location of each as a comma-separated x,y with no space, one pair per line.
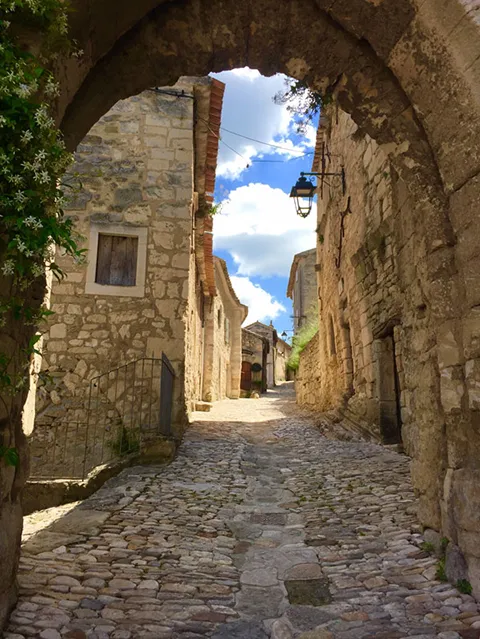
408,72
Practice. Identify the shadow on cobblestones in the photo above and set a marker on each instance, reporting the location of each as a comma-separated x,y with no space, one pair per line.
259,528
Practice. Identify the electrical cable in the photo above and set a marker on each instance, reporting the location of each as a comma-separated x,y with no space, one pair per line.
275,146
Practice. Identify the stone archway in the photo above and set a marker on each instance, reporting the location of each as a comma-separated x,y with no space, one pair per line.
402,70
408,71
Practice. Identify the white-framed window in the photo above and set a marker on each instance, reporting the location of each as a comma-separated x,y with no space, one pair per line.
117,259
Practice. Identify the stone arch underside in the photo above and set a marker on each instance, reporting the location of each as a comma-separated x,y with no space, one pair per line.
408,72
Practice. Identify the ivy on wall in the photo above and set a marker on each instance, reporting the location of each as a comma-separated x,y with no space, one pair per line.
33,159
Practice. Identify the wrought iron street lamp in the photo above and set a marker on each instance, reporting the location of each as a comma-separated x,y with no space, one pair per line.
303,193
304,190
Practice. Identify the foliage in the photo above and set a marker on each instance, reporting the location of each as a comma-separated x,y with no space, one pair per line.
427,546
126,442
301,101
210,209
443,545
216,208
33,158
464,586
440,573
300,342
10,455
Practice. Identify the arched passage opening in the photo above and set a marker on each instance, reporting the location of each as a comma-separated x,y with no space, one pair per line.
403,73
408,75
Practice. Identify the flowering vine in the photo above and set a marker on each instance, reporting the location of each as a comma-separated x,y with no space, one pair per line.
33,158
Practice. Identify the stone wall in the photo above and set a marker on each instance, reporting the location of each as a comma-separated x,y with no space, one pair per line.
283,353
135,171
254,351
308,376
302,288
268,332
398,343
195,336
223,357
408,74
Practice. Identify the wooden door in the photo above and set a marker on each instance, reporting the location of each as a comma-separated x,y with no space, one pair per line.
246,380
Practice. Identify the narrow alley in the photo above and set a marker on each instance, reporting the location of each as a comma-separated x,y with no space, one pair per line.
261,527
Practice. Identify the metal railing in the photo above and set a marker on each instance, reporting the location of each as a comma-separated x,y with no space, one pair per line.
122,411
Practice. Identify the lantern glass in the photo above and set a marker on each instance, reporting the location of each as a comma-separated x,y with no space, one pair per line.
303,193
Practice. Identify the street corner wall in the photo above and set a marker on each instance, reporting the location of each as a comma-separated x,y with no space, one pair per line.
135,177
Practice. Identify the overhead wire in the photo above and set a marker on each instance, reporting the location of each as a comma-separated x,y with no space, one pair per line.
275,146
248,162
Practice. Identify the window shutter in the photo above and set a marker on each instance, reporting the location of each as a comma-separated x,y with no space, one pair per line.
117,260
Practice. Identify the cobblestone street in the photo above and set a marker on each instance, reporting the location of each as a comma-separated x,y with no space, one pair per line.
261,527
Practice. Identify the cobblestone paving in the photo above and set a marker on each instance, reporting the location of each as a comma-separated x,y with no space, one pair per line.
260,528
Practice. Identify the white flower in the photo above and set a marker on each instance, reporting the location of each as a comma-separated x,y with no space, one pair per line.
24,90
22,247
33,222
26,136
43,177
38,269
42,117
52,88
30,221
39,157
3,120
8,267
20,197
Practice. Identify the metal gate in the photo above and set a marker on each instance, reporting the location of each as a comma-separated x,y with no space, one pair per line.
120,413
166,396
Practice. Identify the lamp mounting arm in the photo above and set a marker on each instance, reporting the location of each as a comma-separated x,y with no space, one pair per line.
323,174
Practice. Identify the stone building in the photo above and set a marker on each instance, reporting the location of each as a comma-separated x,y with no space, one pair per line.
147,172
277,355
255,349
302,288
381,359
282,356
223,339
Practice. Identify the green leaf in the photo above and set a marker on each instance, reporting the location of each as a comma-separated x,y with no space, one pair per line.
12,458
10,455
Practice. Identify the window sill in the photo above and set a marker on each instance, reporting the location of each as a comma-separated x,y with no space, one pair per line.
92,288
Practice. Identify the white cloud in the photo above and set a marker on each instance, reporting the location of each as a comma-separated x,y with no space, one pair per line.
259,228
261,305
249,109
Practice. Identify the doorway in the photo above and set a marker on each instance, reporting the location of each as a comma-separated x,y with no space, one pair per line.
246,379
388,390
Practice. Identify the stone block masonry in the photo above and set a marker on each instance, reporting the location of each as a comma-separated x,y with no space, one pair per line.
393,355
135,192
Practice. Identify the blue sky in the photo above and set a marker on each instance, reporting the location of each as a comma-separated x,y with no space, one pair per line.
257,231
